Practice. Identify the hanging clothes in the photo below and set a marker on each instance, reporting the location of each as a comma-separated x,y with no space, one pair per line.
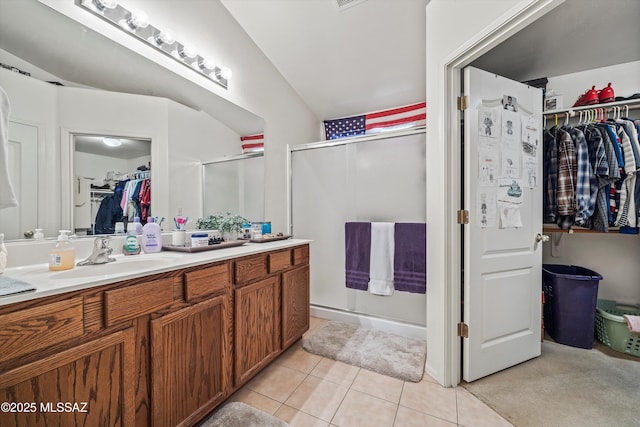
590,175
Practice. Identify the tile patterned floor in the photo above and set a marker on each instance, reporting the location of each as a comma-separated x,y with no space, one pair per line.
307,390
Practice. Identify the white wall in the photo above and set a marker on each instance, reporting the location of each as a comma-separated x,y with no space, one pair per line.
111,113
193,137
94,166
613,255
33,102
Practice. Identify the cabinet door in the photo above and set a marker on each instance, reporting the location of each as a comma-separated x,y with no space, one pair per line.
190,362
257,327
295,304
87,385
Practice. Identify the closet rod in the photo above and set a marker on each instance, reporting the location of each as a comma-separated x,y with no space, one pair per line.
631,103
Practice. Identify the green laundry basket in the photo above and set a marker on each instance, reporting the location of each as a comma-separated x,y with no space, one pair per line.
612,329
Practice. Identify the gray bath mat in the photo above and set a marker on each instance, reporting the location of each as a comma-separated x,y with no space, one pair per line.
388,354
238,414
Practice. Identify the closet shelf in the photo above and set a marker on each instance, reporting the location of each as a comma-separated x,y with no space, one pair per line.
548,228
632,103
101,191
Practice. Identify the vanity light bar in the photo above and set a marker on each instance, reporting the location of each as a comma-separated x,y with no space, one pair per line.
137,24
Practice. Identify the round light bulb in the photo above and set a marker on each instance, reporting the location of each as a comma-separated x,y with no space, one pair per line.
112,142
138,19
225,73
206,64
105,4
187,52
165,37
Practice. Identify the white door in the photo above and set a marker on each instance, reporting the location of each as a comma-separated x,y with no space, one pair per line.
23,171
503,194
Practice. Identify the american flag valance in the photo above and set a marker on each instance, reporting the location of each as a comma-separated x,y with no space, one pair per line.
252,143
409,116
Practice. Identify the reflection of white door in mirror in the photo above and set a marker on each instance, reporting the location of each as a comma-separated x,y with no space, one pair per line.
101,165
23,170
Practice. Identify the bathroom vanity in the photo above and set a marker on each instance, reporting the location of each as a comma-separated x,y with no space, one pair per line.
155,345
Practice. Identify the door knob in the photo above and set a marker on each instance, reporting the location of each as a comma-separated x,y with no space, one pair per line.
542,238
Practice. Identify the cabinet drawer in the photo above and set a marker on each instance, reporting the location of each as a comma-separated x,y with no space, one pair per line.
250,268
301,255
33,329
136,300
279,260
206,281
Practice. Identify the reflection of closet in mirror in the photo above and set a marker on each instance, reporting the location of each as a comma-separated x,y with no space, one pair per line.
235,184
111,182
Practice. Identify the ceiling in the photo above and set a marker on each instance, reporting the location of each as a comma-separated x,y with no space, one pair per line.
365,57
130,148
576,36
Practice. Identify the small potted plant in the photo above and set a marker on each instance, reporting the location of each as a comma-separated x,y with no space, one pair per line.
229,224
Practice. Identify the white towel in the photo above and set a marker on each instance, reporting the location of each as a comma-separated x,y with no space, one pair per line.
7,196
381,258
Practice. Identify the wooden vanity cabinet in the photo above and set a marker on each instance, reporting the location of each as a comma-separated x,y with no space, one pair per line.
295,304
162,350
190,362
91,384
257,327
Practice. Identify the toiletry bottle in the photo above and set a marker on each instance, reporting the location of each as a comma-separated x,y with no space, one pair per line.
151,237
63,256
3,254
137,227
131,245
38,235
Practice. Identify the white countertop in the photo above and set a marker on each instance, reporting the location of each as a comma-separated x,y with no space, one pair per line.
126,267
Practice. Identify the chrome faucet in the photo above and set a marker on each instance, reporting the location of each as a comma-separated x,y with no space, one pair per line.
101,252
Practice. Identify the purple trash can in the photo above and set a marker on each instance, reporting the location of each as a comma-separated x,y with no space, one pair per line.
570,297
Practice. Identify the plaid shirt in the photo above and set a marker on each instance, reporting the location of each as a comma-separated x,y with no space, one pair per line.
550,175
567,175
584,207
599,220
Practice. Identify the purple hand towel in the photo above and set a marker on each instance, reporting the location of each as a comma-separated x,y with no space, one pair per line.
410,260
357,248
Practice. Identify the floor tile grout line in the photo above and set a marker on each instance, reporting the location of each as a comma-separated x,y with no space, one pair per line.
395,417
345,395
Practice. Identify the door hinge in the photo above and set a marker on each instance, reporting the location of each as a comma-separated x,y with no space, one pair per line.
463,216
463,102
463,330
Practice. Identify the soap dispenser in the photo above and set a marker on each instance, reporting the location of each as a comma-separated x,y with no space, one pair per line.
3,254
63,256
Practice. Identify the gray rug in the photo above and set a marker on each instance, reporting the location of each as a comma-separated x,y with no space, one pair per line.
238,414
566,386
377,351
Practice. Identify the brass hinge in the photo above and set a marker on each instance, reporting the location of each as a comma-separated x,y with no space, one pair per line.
463,102
463,330
463,216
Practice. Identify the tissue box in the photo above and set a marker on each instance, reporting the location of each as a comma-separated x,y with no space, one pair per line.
553,102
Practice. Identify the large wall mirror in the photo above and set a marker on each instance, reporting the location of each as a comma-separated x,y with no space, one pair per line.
235,184
112,182
55,130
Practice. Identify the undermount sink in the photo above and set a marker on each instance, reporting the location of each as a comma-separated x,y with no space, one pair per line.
121,265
